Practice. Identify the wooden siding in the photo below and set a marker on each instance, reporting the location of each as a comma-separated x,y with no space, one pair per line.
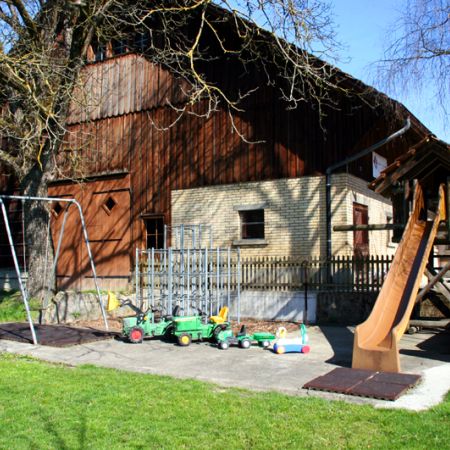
123,85
129,84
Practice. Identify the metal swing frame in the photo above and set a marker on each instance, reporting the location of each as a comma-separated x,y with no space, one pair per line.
69,202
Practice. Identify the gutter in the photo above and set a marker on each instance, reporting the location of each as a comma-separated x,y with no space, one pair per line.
347,161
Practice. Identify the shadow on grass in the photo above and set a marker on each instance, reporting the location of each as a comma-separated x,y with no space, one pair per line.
55,435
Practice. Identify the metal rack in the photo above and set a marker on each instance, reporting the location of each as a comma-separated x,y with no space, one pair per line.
188,236
196,279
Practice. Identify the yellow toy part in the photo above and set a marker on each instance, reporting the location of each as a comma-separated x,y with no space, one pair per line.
113,303
281,333
222,317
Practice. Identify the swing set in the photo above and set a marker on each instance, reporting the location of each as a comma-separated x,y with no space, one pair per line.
69,202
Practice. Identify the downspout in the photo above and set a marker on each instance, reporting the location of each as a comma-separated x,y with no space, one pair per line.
350,159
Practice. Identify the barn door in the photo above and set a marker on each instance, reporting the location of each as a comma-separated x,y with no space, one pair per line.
360,237
106,209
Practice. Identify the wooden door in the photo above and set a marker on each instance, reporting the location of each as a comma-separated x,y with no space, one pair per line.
106,209
360,237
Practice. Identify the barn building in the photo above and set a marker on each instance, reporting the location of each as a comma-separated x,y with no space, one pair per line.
258,175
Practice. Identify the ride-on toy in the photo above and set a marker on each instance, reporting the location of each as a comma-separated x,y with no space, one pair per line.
225,338
291,345
194,328
144,323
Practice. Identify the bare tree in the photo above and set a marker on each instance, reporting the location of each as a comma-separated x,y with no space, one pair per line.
417,56
45,43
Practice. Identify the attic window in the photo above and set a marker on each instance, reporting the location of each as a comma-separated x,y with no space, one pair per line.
57,208
109,205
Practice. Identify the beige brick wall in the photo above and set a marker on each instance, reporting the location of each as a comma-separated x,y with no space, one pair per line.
294,214
346,190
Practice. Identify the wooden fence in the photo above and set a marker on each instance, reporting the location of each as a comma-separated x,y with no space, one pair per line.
342,274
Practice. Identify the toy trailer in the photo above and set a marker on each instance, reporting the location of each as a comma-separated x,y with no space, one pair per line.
242,339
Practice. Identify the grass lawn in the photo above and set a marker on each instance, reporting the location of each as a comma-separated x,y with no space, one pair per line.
58,407
12,308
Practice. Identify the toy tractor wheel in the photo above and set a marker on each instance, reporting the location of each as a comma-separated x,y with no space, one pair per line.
184,339
136,335
245,343
265,344
224,345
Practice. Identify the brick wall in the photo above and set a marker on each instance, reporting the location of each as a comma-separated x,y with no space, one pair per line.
294,214
346,190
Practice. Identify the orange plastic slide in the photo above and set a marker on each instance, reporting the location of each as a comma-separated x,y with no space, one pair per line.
376,341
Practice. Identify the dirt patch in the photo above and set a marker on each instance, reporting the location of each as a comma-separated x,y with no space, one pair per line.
114,324
254,325
251,324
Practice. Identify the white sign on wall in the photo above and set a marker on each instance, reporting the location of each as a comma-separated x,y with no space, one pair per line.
378,164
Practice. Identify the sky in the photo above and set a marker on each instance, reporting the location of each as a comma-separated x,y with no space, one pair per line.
362,26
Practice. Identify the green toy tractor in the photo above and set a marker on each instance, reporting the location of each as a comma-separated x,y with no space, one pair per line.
143,323
225,338
198,328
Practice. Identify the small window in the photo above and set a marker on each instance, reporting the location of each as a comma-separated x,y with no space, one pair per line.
141,41
252,224
57,208
119,47
109,205
100,52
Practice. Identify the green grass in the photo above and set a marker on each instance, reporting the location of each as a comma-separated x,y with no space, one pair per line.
12,308
48,406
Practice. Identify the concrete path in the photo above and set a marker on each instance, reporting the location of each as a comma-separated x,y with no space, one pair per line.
426,354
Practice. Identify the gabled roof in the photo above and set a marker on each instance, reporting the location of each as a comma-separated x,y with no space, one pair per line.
428,161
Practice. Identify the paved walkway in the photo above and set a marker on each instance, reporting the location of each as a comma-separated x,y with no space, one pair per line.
426,354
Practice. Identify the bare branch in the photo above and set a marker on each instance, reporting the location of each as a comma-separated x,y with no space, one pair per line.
418,54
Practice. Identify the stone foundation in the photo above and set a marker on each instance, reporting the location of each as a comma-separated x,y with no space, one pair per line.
346,308
69,307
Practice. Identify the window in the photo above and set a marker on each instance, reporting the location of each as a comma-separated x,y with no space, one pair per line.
57,208
109,205
154,228
119,47
100,52
141,41
252,224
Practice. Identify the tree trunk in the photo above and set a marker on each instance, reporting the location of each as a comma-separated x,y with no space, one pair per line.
38,240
